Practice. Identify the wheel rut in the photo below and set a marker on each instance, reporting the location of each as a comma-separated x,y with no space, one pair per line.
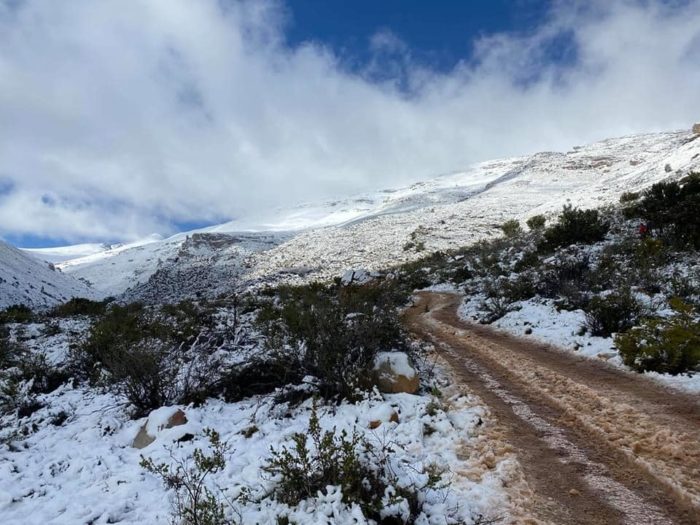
597,444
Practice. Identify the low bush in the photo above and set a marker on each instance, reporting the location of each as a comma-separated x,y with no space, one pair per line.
139,352
16,313
335,332
612,313
668,346
197,502
511,228
536,222
672,208
574,226
79,306
319,459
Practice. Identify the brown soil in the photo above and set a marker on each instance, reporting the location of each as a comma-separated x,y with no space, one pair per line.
597,444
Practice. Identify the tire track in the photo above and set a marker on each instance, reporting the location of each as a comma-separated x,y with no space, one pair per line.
598,445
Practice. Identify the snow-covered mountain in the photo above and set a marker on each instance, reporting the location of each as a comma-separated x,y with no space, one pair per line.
384,228
26,280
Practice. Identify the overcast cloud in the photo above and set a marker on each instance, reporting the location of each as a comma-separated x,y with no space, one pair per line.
120,118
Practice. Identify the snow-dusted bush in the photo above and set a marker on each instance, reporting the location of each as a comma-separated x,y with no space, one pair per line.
511,228
574,226
672,209
612,313
665,345
16,313
79,306
196,502
536,222
334,333
361,469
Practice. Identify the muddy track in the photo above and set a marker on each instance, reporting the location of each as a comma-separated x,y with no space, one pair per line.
597,444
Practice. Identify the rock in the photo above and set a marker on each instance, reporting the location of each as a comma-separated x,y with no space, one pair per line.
696,128
394,374
360,276
159,419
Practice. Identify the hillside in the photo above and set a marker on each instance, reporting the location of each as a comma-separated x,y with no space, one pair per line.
393,226
25,280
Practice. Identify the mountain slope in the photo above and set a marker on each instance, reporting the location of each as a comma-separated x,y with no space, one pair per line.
393,226
26,280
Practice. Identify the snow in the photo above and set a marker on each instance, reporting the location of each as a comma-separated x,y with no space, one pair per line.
323,240
397,362
85,471
25,280
562,328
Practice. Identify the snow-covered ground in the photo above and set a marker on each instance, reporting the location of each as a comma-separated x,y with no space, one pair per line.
72,460
86,471
26,280
321,241
540,319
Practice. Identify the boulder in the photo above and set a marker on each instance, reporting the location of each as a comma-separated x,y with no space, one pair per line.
360,276
696,128
162,418
394,373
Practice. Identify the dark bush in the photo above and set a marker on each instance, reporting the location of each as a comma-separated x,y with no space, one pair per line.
574,226
336,332
673,209
79,306
511,228
17,313
615,312
629,196
667,346
536,222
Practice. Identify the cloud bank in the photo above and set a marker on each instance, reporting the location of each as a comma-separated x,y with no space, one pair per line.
119,120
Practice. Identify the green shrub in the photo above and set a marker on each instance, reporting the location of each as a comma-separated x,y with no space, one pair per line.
629,196
364,474
615,312
511,228
670,346
335,332
196,502
17,313
574,226
536,222
79,306
673,209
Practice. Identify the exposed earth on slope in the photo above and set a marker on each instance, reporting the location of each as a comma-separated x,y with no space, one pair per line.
597,444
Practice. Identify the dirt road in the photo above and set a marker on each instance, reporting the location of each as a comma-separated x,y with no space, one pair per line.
597,444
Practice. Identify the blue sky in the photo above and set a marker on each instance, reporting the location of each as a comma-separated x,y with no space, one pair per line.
176,114
438,33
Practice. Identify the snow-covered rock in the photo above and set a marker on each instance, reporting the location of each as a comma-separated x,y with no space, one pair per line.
394,373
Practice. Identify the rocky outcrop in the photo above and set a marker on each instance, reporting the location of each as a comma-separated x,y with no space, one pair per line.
394,373
696,128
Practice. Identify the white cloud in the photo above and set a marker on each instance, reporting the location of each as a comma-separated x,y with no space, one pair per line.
127,116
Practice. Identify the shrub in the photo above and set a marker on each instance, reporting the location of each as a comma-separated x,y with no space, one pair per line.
79,306
629,196
335,332
673,209
511,228
536,222
195,501
612,313
133,350
320,459
574,226
670,346
17,313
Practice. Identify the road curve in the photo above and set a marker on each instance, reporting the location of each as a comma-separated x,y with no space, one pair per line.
598,445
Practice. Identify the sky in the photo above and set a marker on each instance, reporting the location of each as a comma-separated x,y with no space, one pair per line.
119,122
